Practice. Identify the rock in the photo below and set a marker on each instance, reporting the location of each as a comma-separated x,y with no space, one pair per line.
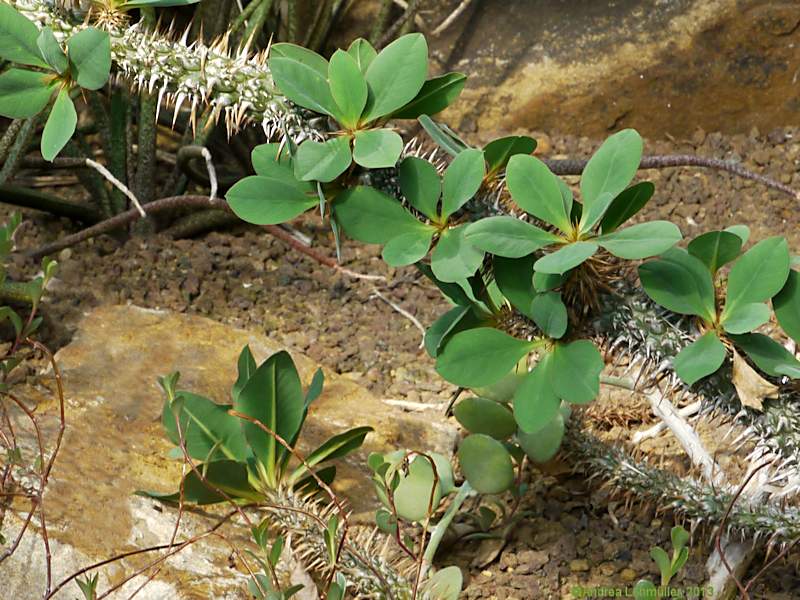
114,445
628,575
579,565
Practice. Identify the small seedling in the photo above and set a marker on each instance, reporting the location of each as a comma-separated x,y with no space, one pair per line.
669,567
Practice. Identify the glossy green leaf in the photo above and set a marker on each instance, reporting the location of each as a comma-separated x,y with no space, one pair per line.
246,366
303,83
372,217
536,190
52,51
348,88
661,558
408,248
612,167
421,185
486,464
377,148
787,306
458,318
507,236
514,277
89,51
268,201
740,231
209,432
681,283
700,358
746,317
576,371
436,95
498,152
416,496
481,415
480,357
23,93
396,75
550,314
565,258
444,584
442,136
18,38
716,248
544,444
642,240
454,258
768,355
627,204
322,161
228,476
544,282
60,126
645,590
336,447
759,274
275,162
363,53
274,397
315,387
535,401
300,54
462,179
504,389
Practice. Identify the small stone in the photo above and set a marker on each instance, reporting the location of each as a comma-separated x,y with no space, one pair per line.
628,575
579,565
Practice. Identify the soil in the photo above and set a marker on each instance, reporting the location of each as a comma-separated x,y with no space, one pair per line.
571,533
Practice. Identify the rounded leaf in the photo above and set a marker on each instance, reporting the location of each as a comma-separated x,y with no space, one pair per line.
420,184
499,152
535,401
303,84
89,51
536,190
746,317
462,179
267,201
700,358
454,258
60,125
787,306
716,248
481,415
408,248
576,371
348,88
480,357
545,443
626,204
23,93
412,498
759,274
612,167
363,53
681,283
436,95
322,161
486,464
565,258
396,75
18,37
372,217
642,240
509,237
377,148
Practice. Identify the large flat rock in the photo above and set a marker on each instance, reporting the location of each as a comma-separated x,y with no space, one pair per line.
115,445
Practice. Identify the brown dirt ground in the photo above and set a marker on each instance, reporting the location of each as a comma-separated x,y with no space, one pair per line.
571,533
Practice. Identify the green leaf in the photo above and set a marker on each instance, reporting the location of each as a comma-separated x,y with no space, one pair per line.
679,537
209,432
444,584
486,464
741,231
768,355
412,498
543,445
89,51
274,397
23,93
787,306
480,356
363,53
681,283
576,371
591,215
302,55
301,81
514,277
436,334
544,282
462,179
267,201
442,136
454,258
348,88
226,475
421,185
550,314
51,51
336,447
18,38
700,358
377,148
535,401
481,415
661,558
565,258
60,125
746,317
436,95
372,217
715,248
498,152
246,366
408,248
322,161
759,274
536,190
627,204
642,240
315,387
396,75
645,590
508,237
612,167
